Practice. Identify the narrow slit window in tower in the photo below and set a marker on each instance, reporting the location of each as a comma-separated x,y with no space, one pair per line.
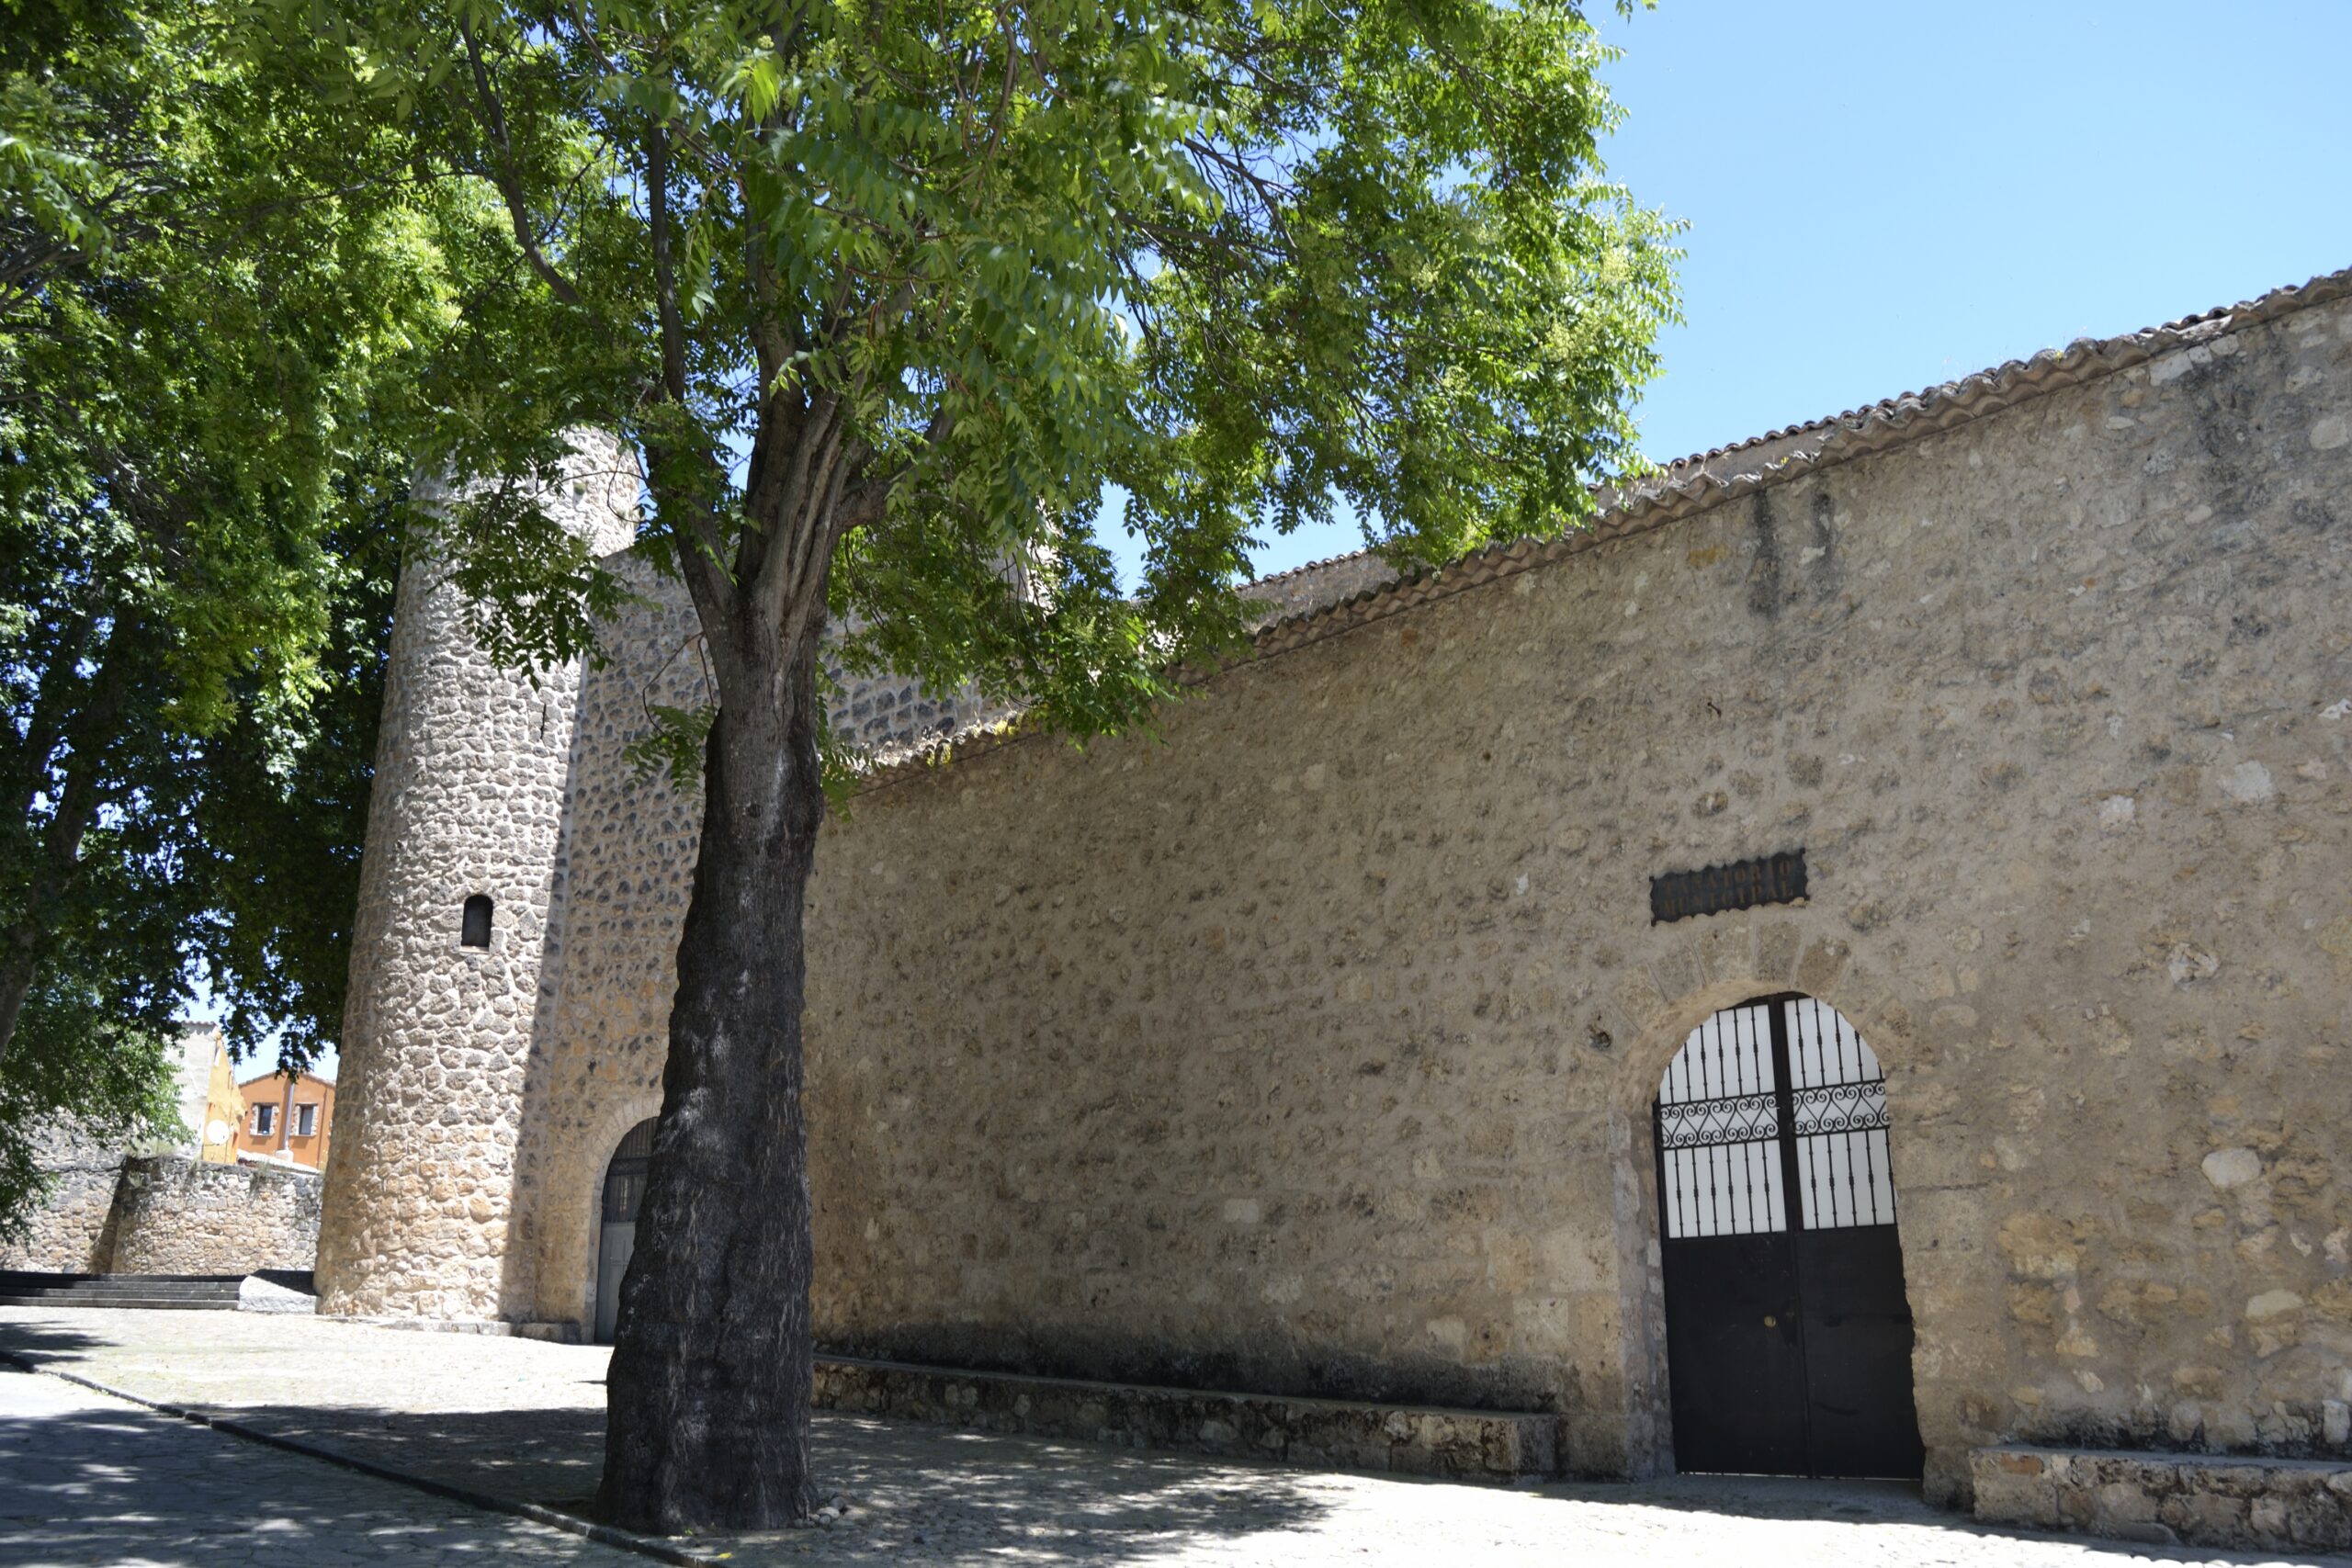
476,927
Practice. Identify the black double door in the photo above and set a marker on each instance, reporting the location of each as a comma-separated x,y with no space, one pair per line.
1788,1333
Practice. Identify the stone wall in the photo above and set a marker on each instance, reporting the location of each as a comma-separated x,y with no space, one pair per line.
471,770
109,1213
66,1228
2259,1505
175,1215
1310,1052
1324,1433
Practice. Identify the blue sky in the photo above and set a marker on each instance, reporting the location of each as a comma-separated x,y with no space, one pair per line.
1884,196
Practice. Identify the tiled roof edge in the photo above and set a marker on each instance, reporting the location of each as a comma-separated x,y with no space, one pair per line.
1879,427
1305,568
1669,497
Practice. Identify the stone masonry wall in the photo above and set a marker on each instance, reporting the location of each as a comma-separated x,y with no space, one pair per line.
109,1213
65,1229
470,777
479,784
1311,1051
176,1215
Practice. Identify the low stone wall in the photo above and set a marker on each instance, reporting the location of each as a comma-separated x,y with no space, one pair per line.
65,1228
1469,1445
176,1216
2269,1504
66,1231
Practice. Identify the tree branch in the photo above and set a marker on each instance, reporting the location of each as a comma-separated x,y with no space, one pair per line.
504,177
665,276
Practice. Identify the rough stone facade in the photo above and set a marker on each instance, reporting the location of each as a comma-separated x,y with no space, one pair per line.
2263,1505
166,1214
484,776
1311,1052
470,777
1328,1434
66,1231
175,1215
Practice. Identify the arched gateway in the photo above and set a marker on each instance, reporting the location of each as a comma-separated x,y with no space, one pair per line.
1788,1333
623,1190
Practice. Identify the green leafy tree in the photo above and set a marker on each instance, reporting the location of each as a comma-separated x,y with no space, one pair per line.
214,292
887,298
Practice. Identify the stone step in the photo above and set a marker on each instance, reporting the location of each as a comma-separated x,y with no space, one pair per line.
124,1290
2222,1500
132,1287
128,1304
1484,1445
17,1279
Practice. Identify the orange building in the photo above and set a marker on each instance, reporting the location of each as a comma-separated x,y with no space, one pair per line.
286,1120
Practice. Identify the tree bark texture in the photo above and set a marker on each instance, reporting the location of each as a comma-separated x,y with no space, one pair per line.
708,1392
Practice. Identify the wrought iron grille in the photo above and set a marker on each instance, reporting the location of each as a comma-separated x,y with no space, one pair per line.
1840,1121
1719,1129
1732,1138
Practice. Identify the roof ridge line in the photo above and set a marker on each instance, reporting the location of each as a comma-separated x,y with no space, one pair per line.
1662,499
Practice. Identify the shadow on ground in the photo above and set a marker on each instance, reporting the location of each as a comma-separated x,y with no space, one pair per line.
919,1493
909,1488
86,1480
45,1345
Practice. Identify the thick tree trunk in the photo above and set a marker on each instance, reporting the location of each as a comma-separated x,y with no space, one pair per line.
709,1393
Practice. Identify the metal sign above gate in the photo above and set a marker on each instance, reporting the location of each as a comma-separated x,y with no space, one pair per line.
1741,884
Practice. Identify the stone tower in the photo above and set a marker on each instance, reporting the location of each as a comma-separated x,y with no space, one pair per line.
454,942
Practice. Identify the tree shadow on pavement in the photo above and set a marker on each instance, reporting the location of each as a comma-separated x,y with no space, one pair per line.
912,1490
913,1493
42,1343
88,1479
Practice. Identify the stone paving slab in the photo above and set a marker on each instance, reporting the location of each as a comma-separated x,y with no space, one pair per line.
525,1419
88,1479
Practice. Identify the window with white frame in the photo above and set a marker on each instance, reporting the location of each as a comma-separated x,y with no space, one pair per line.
306,1120
264,1121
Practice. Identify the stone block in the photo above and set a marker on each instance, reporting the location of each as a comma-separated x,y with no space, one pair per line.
2234,1502
1467,1445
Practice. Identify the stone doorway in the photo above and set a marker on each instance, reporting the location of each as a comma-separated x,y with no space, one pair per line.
624,1191
1788,1331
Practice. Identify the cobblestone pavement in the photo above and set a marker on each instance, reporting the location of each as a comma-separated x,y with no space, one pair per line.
88,1479
526,1420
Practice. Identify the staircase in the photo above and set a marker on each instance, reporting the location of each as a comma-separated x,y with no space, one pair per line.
170,1293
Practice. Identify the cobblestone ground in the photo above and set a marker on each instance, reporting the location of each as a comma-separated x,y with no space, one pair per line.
526,1420
88,1479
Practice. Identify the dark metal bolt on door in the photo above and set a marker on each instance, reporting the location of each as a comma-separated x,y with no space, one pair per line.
1788,1333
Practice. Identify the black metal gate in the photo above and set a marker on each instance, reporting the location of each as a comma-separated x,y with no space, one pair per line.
1788,1333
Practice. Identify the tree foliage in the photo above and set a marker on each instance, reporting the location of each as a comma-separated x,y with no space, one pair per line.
214,295
888,298
1241,262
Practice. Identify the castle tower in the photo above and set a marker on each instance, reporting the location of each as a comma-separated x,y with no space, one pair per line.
453,942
